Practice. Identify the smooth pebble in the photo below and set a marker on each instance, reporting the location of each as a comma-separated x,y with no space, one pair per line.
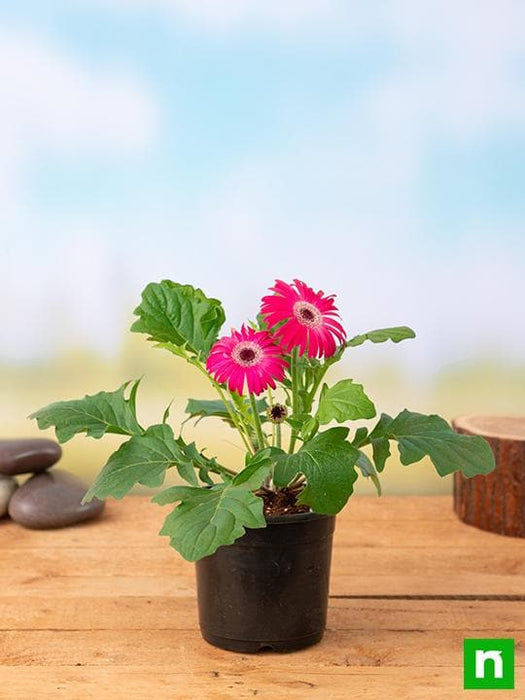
28,455
52,499
7,488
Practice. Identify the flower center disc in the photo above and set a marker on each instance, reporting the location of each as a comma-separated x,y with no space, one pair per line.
307,314
247,354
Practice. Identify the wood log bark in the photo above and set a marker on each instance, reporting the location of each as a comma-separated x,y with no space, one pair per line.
496,501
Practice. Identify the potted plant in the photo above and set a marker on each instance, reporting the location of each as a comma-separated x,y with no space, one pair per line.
261,537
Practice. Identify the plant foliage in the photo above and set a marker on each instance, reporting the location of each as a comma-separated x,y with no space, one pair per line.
213,505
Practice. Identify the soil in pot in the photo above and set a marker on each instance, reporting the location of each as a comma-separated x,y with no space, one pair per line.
281,502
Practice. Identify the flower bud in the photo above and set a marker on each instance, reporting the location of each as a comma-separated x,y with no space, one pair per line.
277,413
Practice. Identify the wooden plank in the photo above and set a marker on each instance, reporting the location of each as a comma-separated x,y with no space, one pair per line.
70,572
360,560
446,557
113,598
380,584
167,613
138,519
394,527
71,586
367,534
187,650
425,683
169,683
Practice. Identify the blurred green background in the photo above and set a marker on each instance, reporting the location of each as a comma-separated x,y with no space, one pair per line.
479,388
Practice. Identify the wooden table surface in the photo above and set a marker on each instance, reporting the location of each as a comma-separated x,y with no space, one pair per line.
108,610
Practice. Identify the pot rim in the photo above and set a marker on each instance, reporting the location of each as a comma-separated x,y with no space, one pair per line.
291,518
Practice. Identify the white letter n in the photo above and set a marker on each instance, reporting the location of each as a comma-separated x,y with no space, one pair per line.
482,657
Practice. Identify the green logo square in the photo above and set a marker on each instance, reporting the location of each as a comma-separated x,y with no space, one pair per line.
488,663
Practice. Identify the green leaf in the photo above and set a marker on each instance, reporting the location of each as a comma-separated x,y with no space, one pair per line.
192,458
256,469
309,428
380,452
141,460
166,413
298,420
344,401
380,444
205,477
204,408
327,461
419,435
178,351
395,334
368,471
360,437
105,412
179,315
208,518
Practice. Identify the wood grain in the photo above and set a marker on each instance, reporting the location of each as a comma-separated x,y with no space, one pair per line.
108,610
496,501
170,683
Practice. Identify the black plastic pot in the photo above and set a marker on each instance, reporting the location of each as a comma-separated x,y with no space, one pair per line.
268,590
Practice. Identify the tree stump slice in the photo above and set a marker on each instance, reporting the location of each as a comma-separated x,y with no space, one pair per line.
496,501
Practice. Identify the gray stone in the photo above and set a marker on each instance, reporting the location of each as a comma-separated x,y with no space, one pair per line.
7,488
52,499
28,455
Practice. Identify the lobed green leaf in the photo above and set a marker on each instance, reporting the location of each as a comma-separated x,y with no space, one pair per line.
396,334
180,316
367,469
380,444
419,435
95,415
207,408
328,463
344,401
207,519
144,460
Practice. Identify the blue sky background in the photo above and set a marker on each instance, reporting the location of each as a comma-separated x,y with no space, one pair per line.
377,152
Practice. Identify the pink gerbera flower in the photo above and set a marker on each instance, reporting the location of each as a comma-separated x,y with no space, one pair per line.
303,318
246,355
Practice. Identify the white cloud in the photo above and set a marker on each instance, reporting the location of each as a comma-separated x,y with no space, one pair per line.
50,100
52,103
48,96
274,15
460,64
406,22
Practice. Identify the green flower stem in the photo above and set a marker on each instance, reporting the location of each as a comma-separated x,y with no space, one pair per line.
277,427
233,416
257,422
221,470
319,378
270,404
231,413
244,417
294,371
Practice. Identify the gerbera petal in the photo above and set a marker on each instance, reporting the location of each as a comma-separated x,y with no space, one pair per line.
303,318
246,357
313,343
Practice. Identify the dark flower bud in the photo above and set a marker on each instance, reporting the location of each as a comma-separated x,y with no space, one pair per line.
277,413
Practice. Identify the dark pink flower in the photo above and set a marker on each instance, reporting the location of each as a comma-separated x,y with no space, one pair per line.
246,355
300,317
